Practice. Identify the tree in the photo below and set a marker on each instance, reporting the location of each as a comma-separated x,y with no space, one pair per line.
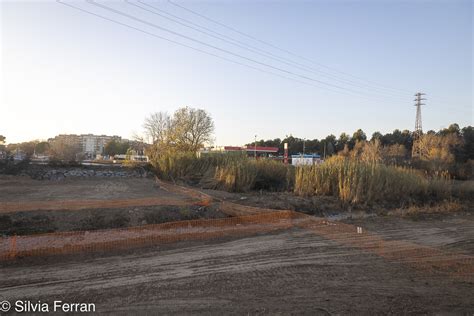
156,126
61,150
439,149
468,139
2,142
27,148
114,147
191,128
452,129
42,148
358,136
188,130
407,139
376,135
328,145
342,141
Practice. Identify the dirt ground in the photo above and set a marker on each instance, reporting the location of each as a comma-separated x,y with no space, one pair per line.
25,189
318,205
25,223
451,232
290,272
77,204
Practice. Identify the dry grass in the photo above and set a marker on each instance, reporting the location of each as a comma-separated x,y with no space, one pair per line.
443,207
230,172
354,181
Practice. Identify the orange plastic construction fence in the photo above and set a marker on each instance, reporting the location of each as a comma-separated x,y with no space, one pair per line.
108,239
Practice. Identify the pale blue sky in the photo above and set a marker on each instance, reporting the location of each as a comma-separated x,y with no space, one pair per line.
65,71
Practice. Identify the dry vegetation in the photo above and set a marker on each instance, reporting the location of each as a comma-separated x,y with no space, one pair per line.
230,172
353,181
356,181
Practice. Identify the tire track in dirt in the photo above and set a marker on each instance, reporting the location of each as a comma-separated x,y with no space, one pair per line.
422,257
290,272
427,258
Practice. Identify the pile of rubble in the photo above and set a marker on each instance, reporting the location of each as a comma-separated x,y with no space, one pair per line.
62,173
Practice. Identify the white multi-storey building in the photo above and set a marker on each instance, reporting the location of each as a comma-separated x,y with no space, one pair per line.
88,144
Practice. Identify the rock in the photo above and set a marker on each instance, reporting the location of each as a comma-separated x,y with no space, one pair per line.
57,176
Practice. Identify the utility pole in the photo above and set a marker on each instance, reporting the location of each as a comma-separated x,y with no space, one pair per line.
304,140
255,147
416,149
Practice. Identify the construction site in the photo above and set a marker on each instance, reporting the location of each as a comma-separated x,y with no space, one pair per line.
141,244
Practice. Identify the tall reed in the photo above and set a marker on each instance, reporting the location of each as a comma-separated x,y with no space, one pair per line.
354,181
230,171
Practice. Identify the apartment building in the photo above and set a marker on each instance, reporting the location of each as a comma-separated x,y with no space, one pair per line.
89,145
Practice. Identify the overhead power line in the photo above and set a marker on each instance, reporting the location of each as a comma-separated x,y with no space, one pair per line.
289,72
181,44
212,33
282,49
197,49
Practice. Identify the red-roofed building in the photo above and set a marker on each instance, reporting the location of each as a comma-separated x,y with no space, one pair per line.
261,149
250,150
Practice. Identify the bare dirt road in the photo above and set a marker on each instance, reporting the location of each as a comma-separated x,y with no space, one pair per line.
289,272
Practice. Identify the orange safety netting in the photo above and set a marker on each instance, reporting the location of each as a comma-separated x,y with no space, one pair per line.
247,220
107,239
424,257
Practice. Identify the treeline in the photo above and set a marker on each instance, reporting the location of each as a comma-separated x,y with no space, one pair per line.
62,150
462,142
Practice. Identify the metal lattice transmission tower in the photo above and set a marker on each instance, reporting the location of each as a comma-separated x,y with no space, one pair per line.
417,146
419,98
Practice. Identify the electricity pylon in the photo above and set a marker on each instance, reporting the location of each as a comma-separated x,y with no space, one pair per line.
417,146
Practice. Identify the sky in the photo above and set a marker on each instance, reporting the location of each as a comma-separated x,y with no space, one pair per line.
323,67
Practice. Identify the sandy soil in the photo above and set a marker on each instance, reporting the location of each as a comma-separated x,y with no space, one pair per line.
317,205
30,206
15,188
443,231
291,272
33,222
315,270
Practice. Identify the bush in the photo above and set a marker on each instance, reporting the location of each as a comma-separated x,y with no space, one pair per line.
13,168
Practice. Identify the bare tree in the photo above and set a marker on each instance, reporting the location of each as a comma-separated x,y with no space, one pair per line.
157,126
188,130
62,150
